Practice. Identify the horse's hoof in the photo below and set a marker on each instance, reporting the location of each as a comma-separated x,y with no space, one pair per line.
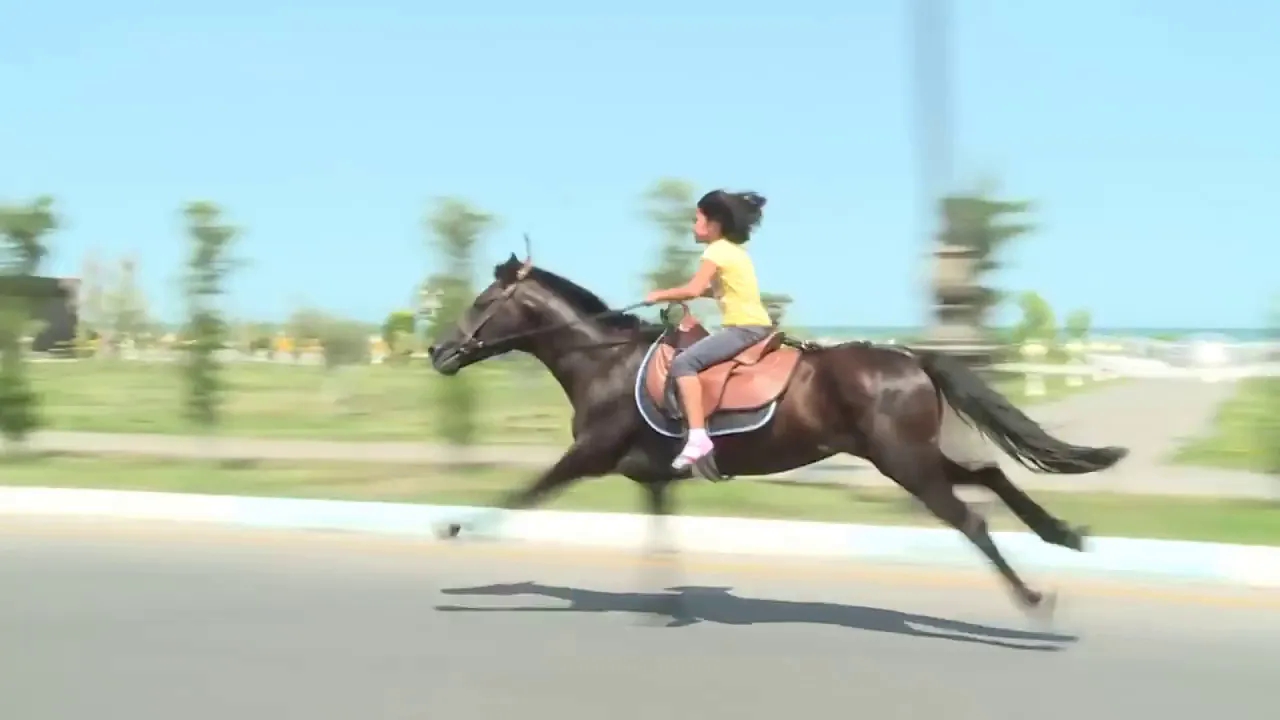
448,531
1071,538
1041,606
1077,538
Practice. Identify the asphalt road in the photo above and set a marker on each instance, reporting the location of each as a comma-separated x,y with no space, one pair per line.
131,621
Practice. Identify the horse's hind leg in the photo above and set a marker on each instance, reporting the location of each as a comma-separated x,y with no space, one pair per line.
920,469
1051,529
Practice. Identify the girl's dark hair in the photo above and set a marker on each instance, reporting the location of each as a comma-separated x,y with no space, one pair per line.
736,213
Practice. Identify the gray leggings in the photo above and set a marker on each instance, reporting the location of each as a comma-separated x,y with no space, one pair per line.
717,347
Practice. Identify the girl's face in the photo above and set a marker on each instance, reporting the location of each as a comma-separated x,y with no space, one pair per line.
704,230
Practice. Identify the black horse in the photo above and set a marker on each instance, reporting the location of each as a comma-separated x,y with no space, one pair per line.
919,417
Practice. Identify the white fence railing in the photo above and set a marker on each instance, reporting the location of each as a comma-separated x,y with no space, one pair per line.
1035,375
1097,361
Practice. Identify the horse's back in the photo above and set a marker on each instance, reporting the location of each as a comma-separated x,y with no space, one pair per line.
863,369
864,355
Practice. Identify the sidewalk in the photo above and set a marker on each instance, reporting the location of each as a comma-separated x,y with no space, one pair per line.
1150,417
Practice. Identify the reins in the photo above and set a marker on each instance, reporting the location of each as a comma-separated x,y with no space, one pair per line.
469,333
478,343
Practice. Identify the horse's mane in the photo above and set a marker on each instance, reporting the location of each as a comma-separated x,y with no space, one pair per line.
588,303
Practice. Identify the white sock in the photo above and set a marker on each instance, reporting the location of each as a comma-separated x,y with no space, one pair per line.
698,444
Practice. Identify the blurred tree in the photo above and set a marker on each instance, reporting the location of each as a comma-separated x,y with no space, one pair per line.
669,204
25,229
980,221
260,342
91,304
398,333
1037,323
209,263
1078,324
260,336
305,325
776,304
344,342
126,312
429,298
455,229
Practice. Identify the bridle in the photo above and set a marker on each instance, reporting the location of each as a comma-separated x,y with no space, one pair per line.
469,330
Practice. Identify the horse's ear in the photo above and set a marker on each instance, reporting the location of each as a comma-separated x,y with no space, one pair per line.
509,271
527,266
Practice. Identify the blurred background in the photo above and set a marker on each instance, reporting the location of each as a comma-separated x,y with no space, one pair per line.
230,234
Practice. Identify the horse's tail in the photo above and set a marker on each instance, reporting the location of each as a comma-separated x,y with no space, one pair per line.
1009,428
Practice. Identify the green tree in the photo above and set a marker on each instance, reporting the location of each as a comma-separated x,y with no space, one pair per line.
980,221
25,229
209,264
344,341
455,229
305,325
398,332
1077,325
126,313
1037,323
260,337
669,204
345,344
92,306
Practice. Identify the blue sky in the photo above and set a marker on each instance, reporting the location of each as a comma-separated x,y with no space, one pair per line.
1146,131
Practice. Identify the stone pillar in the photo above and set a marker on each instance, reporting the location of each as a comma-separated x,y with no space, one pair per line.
957,327
1033,353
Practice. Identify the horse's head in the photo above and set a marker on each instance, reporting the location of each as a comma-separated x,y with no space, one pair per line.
525,307
498,320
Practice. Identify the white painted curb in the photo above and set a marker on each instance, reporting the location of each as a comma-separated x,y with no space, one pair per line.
1247,565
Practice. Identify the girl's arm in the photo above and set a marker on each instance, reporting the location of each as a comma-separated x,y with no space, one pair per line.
698,286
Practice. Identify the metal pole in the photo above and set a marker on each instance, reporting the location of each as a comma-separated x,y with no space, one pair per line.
931,66
953,323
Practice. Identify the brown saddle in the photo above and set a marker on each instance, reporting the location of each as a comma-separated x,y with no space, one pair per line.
752,379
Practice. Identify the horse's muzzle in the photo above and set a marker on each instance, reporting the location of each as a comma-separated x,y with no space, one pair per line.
446,359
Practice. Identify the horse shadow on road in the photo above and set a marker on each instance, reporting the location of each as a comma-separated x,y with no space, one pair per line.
690,605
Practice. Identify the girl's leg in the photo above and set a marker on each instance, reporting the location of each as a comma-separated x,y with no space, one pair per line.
718,347
691,401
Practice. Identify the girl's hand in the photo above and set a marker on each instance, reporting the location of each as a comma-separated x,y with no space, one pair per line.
654,297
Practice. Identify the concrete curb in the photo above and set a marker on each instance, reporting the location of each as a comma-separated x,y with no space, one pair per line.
1245,565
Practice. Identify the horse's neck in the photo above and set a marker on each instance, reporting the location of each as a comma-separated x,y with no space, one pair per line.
579,359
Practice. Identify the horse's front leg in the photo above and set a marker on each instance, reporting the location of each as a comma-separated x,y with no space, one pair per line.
662,571
590,455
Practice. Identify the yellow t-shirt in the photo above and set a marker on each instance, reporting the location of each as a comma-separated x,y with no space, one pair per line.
735,285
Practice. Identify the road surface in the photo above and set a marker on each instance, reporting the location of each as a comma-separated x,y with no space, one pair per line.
140,621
